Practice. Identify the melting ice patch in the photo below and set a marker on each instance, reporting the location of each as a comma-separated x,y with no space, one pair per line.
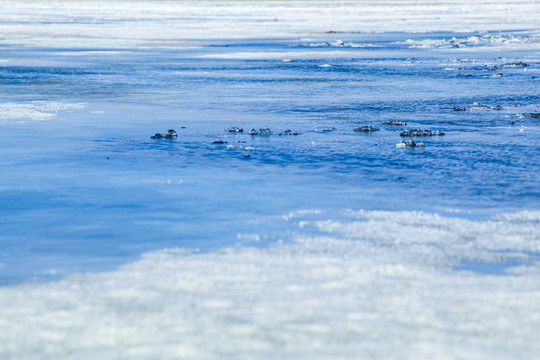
377,287
500,40
35,110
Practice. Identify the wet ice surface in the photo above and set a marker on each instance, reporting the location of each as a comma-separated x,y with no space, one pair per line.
323,237
90,172
88,188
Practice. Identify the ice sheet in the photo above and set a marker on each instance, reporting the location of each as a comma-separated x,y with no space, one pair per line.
120,23
384,293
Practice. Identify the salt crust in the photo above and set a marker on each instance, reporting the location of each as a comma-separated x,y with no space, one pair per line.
383,292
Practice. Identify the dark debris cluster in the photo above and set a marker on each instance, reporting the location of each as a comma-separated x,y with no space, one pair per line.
394,123
265,131
477,107
410,144
420,133
366,129
171,134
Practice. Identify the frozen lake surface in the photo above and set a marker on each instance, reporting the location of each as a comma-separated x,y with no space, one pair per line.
324,243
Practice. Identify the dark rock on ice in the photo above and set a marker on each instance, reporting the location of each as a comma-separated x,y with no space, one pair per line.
497,107
265,131
420,133
261,132
366,129
234,130
324,130
531,115
410,144
171,134
480,106
516,64
394,123
477,106
289,132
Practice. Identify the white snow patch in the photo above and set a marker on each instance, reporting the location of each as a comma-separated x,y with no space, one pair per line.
36,110
478,41
117,24
301,213
386,291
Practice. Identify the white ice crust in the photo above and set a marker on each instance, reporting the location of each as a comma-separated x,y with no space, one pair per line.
127,23
38,110
476,42
383,286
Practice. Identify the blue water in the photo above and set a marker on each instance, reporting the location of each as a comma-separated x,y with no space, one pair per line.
89,190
